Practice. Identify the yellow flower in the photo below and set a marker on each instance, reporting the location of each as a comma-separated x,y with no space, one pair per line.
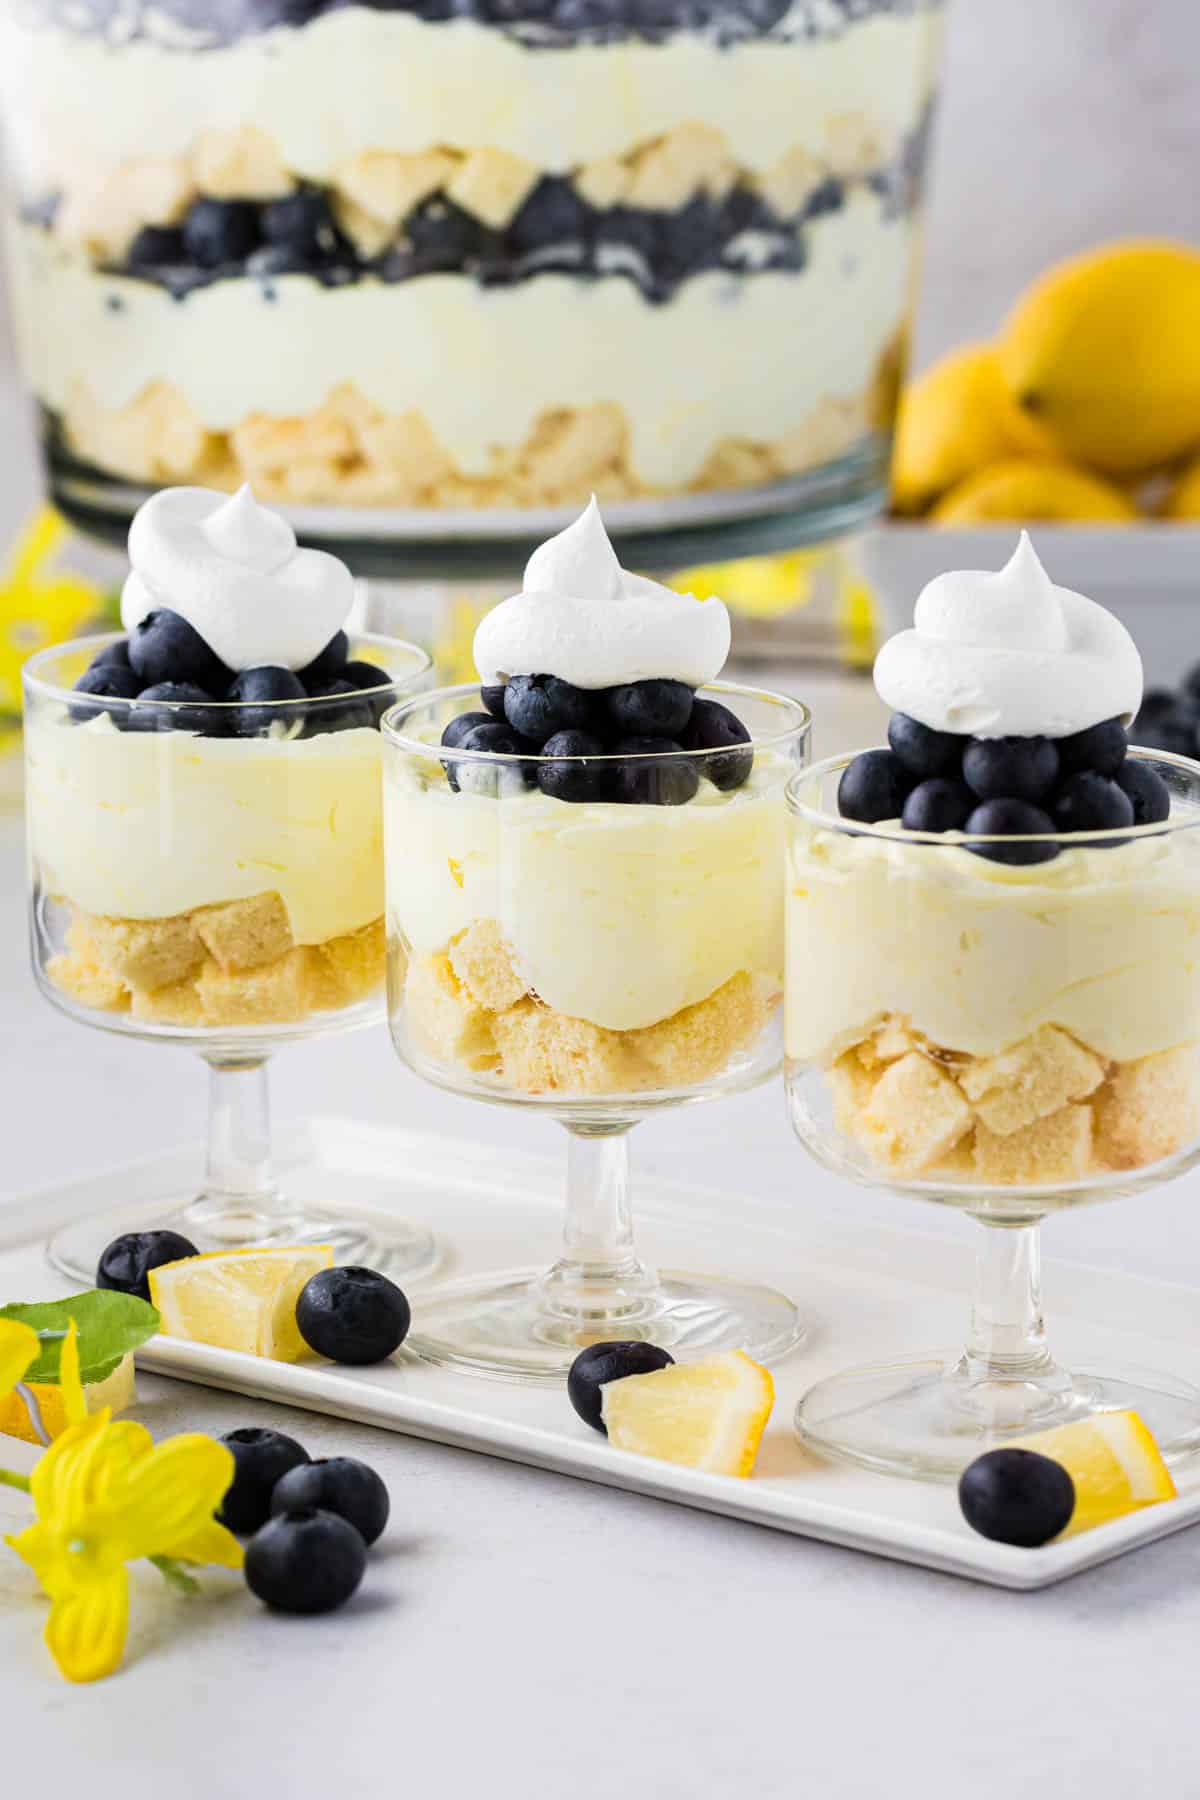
39,605
105,1495
19,1348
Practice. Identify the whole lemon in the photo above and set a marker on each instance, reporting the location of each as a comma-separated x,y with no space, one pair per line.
1104,352
955,418
1024,489
1183,500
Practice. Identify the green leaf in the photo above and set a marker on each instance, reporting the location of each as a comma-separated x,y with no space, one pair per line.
110,1325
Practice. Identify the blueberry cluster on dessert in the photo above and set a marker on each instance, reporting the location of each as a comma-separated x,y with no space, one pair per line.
180,684
629,743
1004,787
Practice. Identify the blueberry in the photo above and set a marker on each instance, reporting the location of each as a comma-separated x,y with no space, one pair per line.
873,787
1090,802
458,727
922,750
829,196
125,1264
649,709
340,707
352,1315
1191,683
1148,793
1157,703
601,1363
537,706
1176,733
365,675
176,706
937,805
1010,768
553,215
114,654
336,1484
1101,747
576,781
305,1562
713,727
258,692
260,1459
328,665
109,681
651,774
303,224
689,239
157,247
493,699
164,647
220,231
443,236
1012,818
1016,1497
490,780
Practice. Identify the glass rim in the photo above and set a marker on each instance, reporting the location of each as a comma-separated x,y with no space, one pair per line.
389,725
963,840
34,683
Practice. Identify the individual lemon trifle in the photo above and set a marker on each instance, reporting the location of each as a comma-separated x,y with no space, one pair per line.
585,859
994,951
205,807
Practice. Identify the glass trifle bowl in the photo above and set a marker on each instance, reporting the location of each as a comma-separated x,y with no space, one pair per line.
209,875
596,958
1010,1037
665,251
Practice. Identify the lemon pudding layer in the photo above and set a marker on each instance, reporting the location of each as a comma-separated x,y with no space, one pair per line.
1020,1011
611,940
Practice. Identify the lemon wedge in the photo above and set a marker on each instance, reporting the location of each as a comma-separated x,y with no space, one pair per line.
239,1299
707,1415
1114,1462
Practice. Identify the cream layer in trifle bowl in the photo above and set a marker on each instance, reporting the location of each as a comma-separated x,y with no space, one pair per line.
994,924
204,800
587,909
664,248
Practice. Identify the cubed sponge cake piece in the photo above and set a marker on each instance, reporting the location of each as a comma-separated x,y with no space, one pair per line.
444,1020
542,1051
915,1116
1055,1148
245,934
483,963
696,1043
146,953
1149,1109
1033,1079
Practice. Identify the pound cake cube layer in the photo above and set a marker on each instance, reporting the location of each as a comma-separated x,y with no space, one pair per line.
483,963
546,1052
445,1021
1149,1109
1055,1148
146,953
1033,1079
245,934
697,1042
915,1116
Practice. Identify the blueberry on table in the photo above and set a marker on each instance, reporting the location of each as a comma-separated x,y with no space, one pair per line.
649,708
713,727
923,751
1016,819
572,779
107,681
176,706
303,224
306,1561
492,696
1010,768
1090,802
1148,793
336,1484
260,1459
164,647
938,805
328,665
873,787
220,231
1101,748
1016,1497
537,706
600,1363
458,728
652,773
125,1264
258,693
352,1315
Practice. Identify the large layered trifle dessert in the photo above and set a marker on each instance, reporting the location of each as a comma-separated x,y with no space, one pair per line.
464,252
994,953
205,801
584,865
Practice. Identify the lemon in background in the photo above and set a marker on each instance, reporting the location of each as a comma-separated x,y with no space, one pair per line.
955,419
1023,489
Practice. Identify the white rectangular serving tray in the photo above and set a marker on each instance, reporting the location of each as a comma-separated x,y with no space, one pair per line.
867,1293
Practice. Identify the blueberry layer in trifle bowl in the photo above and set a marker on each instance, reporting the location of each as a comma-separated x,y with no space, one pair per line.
204,793
994,991
584,853
492,255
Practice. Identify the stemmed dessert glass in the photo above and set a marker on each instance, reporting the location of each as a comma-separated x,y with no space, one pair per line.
596,961
1008,1038
220,889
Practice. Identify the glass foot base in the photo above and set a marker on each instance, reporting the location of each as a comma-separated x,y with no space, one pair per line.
922,1419
400,1249
502,1325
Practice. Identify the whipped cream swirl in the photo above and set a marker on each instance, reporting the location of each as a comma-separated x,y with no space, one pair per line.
1010,655
584,618
234,571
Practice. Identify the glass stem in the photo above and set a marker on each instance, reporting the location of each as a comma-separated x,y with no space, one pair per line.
241,1203
1006,1376
599,1281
